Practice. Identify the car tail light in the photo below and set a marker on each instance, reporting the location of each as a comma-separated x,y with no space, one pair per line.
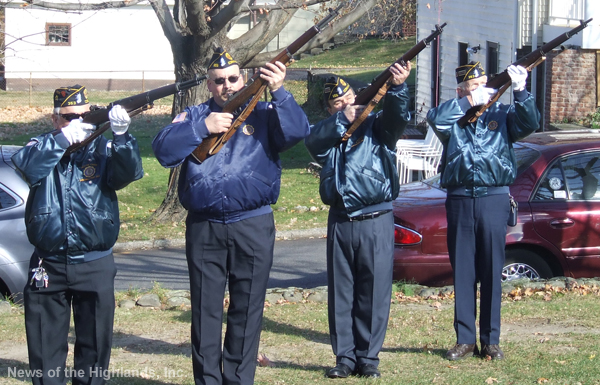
406,236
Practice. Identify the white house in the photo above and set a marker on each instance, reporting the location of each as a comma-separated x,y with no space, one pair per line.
497,33
108,49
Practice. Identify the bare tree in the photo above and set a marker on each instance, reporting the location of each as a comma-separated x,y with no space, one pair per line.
194,28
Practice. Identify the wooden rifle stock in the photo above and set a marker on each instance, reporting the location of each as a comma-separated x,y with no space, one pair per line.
252,91
371,95
98,116
502,81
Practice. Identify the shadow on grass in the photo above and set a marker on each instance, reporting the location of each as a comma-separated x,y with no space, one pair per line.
291,330
434,352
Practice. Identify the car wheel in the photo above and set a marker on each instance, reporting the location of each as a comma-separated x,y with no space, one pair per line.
524,264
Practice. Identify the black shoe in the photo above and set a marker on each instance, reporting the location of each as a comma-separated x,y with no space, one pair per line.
460,351
368,370
340,371
493,351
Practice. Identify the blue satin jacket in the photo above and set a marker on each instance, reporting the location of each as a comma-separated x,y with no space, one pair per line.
242,180
72,212
481,153
360,175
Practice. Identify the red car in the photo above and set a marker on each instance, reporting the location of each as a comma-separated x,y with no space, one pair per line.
558,228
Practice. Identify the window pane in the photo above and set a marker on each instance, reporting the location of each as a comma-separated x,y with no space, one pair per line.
582,173
58,34
552,186
6,200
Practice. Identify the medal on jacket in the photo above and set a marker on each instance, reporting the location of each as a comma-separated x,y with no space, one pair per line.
492,125
248,129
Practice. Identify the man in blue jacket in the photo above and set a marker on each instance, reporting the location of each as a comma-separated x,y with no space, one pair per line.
72,219
359,181
230,232
478,167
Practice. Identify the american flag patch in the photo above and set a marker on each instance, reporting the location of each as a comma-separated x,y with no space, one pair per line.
180,118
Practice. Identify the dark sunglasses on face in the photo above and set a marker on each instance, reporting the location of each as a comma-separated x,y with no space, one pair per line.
232,79
70,117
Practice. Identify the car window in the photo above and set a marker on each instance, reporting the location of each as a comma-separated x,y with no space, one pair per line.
7,200
573,177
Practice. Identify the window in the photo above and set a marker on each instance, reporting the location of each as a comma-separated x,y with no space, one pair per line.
574,178
58,34
492,58
7,199
463,56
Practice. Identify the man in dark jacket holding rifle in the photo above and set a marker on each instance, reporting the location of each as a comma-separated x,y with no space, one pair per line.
230,233
72,219
359,180
479,165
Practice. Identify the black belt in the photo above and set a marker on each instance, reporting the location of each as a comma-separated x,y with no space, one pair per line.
372,215
477,191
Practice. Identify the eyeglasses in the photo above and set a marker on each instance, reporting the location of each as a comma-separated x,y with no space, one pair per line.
232,79
70,117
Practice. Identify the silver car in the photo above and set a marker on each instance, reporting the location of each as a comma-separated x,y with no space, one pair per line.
15,249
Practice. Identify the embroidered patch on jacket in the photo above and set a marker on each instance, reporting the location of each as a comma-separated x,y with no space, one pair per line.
180,117
89,172
248,129
492,125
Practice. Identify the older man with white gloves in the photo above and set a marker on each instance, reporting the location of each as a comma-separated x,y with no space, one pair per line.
72,219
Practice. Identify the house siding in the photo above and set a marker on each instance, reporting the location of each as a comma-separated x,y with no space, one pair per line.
474,30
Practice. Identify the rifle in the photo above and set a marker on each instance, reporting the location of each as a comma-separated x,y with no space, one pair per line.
502,81
133,105
371,95
252,91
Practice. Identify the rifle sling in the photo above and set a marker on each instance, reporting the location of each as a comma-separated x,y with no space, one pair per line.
372,103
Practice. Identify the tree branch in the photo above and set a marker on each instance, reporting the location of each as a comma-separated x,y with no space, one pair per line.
84,7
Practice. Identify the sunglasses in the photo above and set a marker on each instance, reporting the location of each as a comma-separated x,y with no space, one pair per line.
232,79
70,117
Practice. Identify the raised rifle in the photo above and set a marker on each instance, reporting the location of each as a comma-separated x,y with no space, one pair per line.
252,91
372,94
98,116
502,81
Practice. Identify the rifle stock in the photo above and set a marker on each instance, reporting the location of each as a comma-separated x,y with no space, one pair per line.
252,91
98,116
502,81
371,95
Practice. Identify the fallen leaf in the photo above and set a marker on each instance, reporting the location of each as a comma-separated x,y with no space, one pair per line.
491,380
542,380
263,361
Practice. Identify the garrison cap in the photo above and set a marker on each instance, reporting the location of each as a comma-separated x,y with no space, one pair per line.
334,88
473,70
221,59
70,96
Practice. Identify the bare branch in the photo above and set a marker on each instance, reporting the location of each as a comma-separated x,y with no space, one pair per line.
84,7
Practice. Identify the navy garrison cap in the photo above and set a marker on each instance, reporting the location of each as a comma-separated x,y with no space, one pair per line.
70,96
221,59
473,70
334,88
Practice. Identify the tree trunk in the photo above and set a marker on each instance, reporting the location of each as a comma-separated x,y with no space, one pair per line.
170,209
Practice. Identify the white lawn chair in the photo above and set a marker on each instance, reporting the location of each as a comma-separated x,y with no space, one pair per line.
421,157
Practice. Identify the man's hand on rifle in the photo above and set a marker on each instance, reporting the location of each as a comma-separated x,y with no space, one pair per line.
518,75
119,119
218,122
273,74
400,73
77,131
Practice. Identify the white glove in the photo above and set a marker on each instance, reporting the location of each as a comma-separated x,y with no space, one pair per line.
518,75
481,95
77,131
119,119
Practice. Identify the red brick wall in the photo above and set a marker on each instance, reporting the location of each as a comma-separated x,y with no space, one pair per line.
570,85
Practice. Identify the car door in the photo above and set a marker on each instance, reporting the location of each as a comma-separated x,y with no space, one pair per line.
566,210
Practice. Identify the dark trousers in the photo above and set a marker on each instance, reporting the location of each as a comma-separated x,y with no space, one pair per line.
359,274
476,241
88,288
243,252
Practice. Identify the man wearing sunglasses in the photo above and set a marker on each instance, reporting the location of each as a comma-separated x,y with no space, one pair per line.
230,232
72,219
